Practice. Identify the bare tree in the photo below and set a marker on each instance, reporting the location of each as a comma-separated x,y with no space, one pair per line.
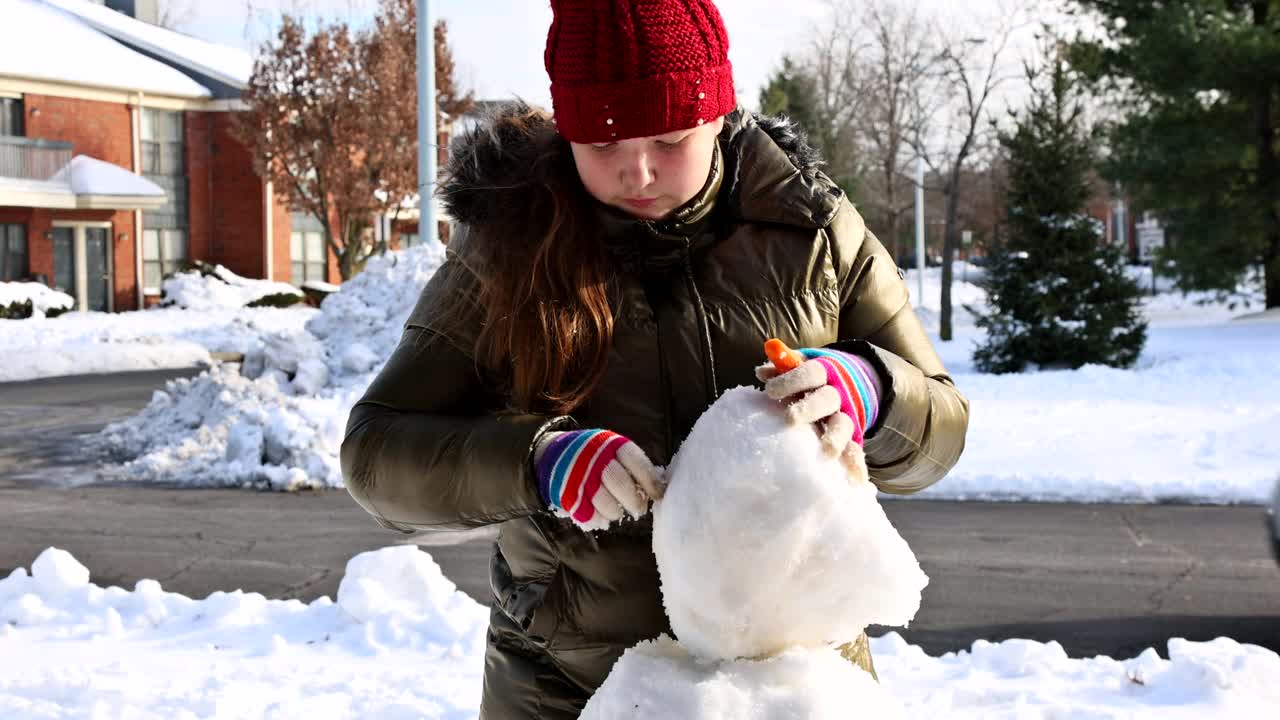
968,71
900,56
331,120
833,62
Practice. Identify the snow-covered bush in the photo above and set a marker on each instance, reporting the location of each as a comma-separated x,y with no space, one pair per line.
211,287
21,300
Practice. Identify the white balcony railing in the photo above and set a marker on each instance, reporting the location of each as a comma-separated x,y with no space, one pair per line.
32,159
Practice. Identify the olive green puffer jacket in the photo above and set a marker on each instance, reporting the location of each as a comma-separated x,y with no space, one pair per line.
770,248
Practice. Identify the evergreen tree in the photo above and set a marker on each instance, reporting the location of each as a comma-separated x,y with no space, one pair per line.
1058,295
1201,144
792,92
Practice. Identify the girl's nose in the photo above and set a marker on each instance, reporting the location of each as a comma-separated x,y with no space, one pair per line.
637,173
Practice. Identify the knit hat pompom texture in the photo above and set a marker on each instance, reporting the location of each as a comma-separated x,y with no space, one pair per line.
624,69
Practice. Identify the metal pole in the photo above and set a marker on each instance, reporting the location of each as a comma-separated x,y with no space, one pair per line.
427,229
920,231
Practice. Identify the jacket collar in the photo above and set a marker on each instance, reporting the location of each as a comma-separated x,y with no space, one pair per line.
774,174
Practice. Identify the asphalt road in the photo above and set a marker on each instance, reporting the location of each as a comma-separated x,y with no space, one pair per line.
41,420
1097,578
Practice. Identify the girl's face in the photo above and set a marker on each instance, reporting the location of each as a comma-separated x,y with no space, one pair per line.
649,177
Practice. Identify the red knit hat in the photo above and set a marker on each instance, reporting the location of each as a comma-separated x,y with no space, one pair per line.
634,68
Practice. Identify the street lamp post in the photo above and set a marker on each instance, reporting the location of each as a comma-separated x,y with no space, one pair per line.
920,232
427,228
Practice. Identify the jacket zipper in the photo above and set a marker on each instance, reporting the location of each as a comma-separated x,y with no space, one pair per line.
664,374
704,329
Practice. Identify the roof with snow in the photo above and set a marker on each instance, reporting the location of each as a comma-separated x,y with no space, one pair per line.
87,184
226,66
80,43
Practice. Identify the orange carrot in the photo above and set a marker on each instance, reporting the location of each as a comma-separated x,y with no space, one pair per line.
783,358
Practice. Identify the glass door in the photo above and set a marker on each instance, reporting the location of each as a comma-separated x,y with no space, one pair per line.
64,260
97,266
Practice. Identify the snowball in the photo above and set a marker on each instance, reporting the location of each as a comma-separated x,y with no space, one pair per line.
660,679
56,571
763,543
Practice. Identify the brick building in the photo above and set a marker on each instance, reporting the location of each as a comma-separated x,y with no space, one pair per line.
117,159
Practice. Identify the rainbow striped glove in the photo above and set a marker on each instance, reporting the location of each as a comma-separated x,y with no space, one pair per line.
839,390
591,476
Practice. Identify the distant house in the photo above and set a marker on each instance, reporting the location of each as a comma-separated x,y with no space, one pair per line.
117,160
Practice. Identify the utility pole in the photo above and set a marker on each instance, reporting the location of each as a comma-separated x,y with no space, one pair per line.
427,228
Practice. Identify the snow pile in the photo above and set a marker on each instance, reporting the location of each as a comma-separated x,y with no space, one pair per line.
224,429
279,421
400,642
41,296
221,289
1025,680
69,648
768,550
763,543
659,679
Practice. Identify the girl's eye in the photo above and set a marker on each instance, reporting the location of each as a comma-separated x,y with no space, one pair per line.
605,147
665,145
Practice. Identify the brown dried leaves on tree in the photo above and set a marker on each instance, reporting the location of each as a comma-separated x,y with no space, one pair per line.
331,121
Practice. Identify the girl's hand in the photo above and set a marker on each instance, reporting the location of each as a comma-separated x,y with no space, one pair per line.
837,390
592,476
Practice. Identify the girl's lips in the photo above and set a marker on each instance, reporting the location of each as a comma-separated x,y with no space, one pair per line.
640,202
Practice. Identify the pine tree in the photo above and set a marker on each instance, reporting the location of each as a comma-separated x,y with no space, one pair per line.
1058,296
792,92
1200,141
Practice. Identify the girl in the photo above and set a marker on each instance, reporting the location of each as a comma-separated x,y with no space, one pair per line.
615,268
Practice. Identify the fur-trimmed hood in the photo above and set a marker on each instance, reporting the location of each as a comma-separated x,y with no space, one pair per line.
502,170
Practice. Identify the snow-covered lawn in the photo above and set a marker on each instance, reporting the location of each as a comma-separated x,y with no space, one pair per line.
1193,421
401,642
208,315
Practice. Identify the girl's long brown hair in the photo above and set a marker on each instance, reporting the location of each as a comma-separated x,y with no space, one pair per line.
543,287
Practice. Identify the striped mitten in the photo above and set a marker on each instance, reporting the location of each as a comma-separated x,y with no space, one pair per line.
592,476
840,390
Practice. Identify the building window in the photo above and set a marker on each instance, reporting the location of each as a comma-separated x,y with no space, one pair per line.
162,145
13,252
11,117
164,252
408,240
307,256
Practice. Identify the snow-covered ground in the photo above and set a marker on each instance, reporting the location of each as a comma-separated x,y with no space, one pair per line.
401,642
1193,421
207,315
